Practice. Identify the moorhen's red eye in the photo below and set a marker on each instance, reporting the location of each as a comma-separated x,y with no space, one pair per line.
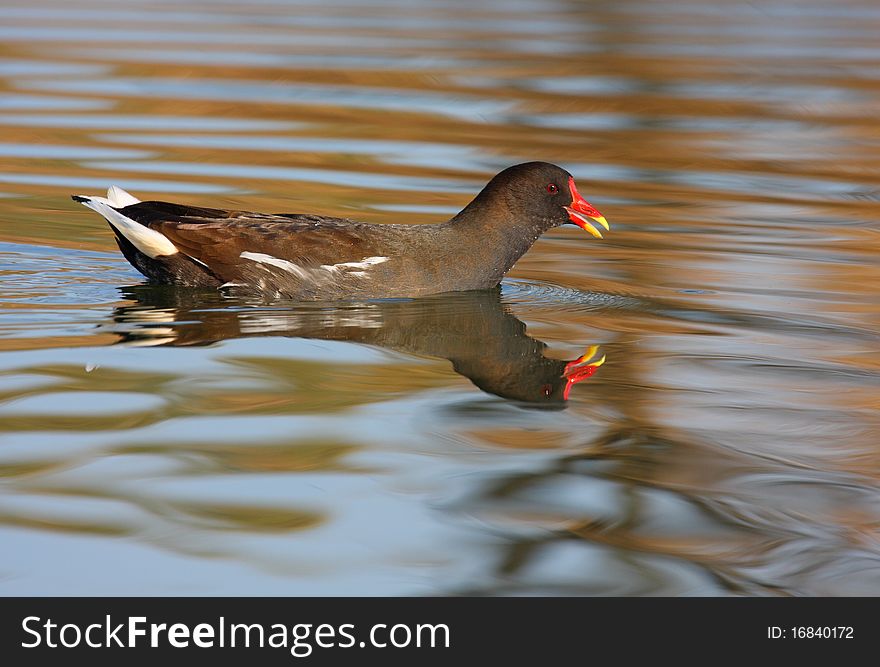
552,189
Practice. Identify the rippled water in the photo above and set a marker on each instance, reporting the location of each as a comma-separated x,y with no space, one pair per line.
162,441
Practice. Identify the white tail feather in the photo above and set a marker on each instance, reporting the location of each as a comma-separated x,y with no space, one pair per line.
148,241
119,198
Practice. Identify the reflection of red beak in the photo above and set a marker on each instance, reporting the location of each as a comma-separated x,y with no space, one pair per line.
581,212
579,369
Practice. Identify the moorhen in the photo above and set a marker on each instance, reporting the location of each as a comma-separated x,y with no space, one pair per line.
311,257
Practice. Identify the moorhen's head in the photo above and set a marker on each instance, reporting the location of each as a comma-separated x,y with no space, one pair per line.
542,193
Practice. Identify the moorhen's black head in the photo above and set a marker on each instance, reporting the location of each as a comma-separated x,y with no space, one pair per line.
543,194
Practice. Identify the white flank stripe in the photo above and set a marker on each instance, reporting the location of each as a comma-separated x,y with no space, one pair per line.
352,269
198,261
290,267
150,242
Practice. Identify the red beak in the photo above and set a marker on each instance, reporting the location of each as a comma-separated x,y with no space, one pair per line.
580,212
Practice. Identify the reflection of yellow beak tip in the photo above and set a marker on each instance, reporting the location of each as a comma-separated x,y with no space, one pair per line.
589,354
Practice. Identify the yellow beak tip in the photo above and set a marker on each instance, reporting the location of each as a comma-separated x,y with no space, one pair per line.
602,221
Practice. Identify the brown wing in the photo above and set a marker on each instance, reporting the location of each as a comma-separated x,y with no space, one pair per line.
217,238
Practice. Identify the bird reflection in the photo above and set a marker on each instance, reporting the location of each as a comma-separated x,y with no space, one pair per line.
475,331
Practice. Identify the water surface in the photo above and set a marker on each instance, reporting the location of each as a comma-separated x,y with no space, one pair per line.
163,441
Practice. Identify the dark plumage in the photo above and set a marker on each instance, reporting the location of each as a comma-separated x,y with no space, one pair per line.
309,257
